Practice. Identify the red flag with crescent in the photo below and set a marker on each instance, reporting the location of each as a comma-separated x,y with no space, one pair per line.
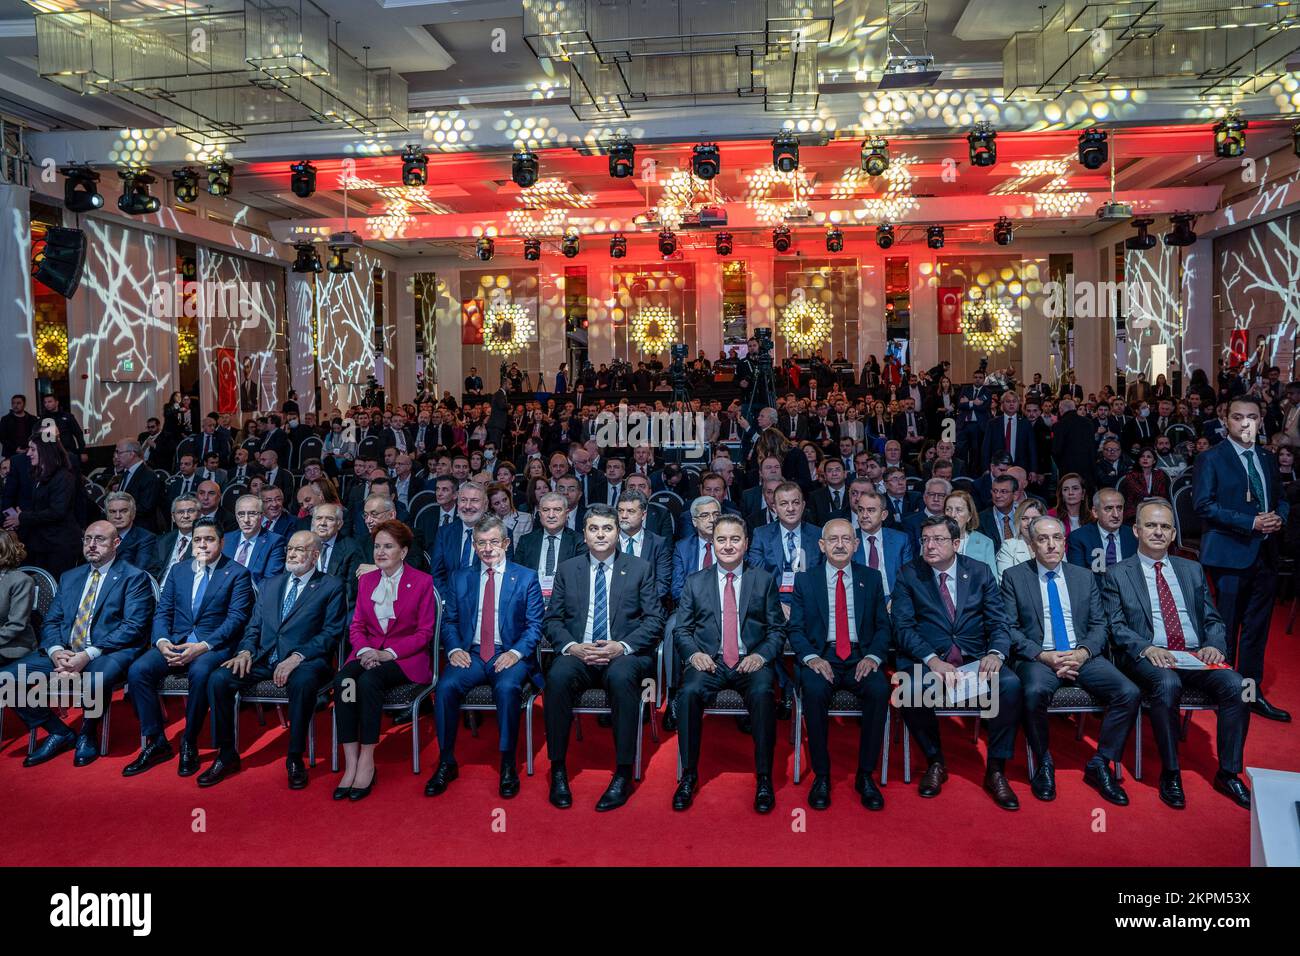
950,310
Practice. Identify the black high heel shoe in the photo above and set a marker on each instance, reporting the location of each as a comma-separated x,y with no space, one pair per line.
360,793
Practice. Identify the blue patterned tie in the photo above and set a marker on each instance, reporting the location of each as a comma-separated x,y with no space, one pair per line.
290,596
1256,484
1060,637
789,550
465,550
600,614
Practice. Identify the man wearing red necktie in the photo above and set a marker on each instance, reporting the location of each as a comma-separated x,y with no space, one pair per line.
730,627
839,629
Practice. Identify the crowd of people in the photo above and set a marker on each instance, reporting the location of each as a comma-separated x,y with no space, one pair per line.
897,528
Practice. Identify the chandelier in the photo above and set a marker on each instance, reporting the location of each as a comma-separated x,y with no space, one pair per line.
989,325
507,328
651,328
805,324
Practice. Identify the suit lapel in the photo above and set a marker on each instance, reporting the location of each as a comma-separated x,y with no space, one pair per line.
219,573
302,595
1137,578
109,580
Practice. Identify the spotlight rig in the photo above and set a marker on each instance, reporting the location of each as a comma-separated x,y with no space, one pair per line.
569,245
934,237
307,259
1230,136
1093,148
484,248
186,184
1002,231
81,188
667,243
135,199
875,156
524,166
302,178
622,159
781,238
722,243
1143,240
618,246
1181,233
983,144
884,235
532,249
785,152
706,160
220,174
834,239
415,166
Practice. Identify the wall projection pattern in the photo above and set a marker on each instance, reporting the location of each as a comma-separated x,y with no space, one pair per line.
345,332
245,320
1157,295
121,348
1259,286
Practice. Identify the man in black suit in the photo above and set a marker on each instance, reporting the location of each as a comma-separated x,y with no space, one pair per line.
637,540
1159,607
186,480
339,556
730,628
658,518
499,418
139,481
830,500
766,513
840,631
292,639
1010,424
1105,542
137,546
1058,636
604,622
274,439
273,474
1111,465
175,544
948,613
212,439
898,499
71,434
1072,441
909,429
592,482
551,543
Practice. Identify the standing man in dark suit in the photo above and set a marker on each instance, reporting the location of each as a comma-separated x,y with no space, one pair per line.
210,440
275,439
96,626
730,628
1159,607
492,623
274,474
140,482
292,639
1238,494
186,480
71,433
974,403
1010,433
604,622
637,540
1073,441
1105,542
840,632
947,613
201,613
1058,635
499,417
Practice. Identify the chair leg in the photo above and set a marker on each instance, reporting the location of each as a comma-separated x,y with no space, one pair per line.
884,748
577,726
334,741
1029,760
473,722
1187,719
907,753
528,732
975,731
1137,746
311,739
284,720
261,717
640,736
105,725
1078,733
415,738
797,731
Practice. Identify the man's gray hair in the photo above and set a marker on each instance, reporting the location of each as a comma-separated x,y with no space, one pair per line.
113,496
942,482
553,496
698,504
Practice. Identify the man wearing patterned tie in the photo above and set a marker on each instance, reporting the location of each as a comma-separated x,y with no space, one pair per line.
948,612
492,623
695,551
95,627
292,640
1059,636
261,552
730,628
1159,608
998,521
201,613
1103,543
1238,494
174,546
454,547
604,623
879,548
839,630
550,544
832,499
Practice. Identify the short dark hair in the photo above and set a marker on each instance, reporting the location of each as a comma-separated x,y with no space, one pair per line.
635,496
208,522
1004,479
1246,400
954,531
599,511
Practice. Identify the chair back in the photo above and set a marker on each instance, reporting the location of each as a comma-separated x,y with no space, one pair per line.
311,447
1187,522
45,588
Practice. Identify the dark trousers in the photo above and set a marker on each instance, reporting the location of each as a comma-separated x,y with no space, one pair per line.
146,676
1098,677
303,686
569,677
1162,687
359,699
873,697
923,723
755,687
1245,599
113,666
507,693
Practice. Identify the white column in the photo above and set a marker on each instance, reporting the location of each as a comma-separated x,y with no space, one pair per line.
450,360
871,310
923,349
708,302
762,305
299,320
399,337
600,322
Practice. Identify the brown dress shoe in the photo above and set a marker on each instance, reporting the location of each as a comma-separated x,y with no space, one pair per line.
995,782
932,781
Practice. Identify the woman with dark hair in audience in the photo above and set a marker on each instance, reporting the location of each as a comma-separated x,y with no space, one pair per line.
1144,481
502,502
537,487
17,593
49,528
392,627
1286,472
1072,506
1161,389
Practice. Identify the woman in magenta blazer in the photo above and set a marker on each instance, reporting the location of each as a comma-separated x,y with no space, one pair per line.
392,628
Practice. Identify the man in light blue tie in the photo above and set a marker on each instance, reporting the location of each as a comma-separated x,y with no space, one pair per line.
453,548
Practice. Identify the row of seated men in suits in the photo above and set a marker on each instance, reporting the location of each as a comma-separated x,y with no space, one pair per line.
604,617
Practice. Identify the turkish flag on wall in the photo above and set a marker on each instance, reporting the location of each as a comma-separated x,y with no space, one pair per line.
227,384
950,310
1239,345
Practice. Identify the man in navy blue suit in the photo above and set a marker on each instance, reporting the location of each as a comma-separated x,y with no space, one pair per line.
948,612
879,548
95,627
137,544
274,518
1010,424
260,552
453,548
695,551
790,544
839,629
974,404
639,541
1238,495
1105,542
292,639
202,611
492,625
936,493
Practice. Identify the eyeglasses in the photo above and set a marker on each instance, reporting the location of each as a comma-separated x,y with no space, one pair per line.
248,514
934,539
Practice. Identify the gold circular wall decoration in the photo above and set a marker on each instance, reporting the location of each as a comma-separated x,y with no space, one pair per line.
52,350
652,328
805,324
989,325
507,329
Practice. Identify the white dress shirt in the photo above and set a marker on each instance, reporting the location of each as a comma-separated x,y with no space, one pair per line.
638,542
252,546
1105,542
1049,635
1259,470
722,601
1157,619
587,637
879,538
831,580
92,652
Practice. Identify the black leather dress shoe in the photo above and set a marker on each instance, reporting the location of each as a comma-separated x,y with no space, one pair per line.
872,798
860,780
1171,789
685,792
218,771
1098,776
616,794
150,756
932,781
189,764
297,771
560,795
1266,710
441,779
995,782
1043,784
360,793
764,795
49,748
508,785
819,794
1231,784
87,751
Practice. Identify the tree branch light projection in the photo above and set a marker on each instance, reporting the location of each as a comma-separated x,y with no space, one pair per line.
805,324
651,328
507,328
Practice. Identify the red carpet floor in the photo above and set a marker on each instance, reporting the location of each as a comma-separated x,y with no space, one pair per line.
254,819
